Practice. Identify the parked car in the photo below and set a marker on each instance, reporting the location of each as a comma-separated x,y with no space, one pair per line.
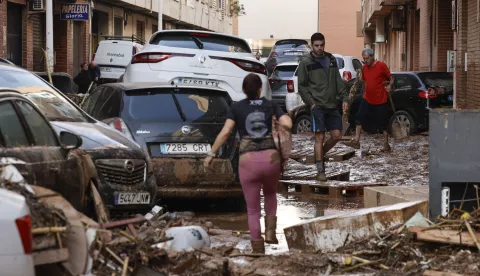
282,82
30,143
348,66
62,81
176,124
16,235
286,50
197,58
6,61
124,170
414,94
114,54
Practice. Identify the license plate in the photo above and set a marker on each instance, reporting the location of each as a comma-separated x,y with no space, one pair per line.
450,98
293,53
106,69
190,81
132,198
184,148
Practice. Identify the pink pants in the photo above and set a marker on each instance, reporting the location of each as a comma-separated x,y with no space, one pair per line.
257,169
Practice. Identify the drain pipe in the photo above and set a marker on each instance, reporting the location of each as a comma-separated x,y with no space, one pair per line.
49,31
160,15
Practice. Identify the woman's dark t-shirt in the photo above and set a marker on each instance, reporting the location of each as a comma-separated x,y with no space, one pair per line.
253,119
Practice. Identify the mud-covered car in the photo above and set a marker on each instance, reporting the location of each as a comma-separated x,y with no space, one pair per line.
126,181
30,143
177,126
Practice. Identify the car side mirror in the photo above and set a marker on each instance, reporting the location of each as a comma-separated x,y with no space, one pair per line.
70,141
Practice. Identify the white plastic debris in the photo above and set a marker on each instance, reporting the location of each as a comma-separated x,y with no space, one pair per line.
10,173
417,220
154,213
186,238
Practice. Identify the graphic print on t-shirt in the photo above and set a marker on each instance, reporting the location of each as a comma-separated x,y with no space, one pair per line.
255,124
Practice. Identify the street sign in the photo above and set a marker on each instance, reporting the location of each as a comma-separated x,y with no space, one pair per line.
78,12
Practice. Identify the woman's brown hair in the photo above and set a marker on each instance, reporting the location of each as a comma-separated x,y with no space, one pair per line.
250,86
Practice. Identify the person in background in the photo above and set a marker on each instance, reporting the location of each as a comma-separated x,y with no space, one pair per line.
260,166
319,85
94,71
375,98
258,56
83,79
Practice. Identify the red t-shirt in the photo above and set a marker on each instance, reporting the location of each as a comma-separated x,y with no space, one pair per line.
374,77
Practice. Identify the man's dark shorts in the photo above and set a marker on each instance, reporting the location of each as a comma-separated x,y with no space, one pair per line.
380,114
326,119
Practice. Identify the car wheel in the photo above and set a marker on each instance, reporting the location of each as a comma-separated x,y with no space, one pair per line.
405,119
302,125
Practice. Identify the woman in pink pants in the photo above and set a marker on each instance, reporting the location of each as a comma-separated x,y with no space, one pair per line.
259,159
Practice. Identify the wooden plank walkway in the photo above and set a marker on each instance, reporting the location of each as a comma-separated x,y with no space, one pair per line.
312,174
336,155
329,189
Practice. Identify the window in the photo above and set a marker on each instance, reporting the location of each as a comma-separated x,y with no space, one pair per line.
11,128
158,105
89,105
154,29
40,129
212,42
402,82
118,23
357,65
108,104
140,30
51,103
284,71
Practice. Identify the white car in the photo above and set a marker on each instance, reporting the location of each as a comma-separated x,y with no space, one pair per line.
114,54
16,246
197,58
348,66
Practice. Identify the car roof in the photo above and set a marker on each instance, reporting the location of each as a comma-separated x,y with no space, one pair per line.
195,31
63,74
144,85
11,67
290,39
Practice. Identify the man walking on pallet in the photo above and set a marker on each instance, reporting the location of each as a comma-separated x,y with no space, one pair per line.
374,74
320,86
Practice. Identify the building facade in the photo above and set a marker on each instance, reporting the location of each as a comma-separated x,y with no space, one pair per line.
23,26
428,35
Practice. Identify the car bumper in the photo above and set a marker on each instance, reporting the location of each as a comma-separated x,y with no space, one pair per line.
233,85
292,101
20,265
108,192
189,178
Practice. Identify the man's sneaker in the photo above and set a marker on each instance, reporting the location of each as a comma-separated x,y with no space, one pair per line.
352,143
321,176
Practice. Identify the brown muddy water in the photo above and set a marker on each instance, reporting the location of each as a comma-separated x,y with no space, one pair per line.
407,165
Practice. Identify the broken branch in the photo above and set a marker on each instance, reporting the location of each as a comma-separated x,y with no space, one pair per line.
382,266
115,256
47,230
362,265
125,267
474,237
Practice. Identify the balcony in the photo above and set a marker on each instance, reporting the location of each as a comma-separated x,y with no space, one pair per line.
394,2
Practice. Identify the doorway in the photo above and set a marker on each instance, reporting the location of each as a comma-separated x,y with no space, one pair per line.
14,33
78,53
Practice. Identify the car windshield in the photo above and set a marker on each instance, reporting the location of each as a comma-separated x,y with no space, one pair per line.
284,71
160,105
436,79
52,104
205,41
340,62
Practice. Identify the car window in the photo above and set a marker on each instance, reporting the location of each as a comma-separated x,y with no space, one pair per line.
284,71
42,132
92,100
12,129
437,79
50,102
108,104
357,65
340,62
289,44
210,42
158,105
402,82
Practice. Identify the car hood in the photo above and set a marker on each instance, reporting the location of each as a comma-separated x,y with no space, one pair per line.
101,141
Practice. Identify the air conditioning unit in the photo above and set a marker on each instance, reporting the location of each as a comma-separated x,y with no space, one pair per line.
398,20
37,5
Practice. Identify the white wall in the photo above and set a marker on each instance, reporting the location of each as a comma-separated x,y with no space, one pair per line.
281,18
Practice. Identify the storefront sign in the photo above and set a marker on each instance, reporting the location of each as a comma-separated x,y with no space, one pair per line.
74,12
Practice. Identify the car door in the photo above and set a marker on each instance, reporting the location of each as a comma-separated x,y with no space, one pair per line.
403,93
28,137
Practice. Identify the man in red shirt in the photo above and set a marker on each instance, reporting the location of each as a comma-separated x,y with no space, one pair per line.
374,74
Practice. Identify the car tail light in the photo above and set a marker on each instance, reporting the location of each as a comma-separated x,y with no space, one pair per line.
200,34
290,86
24,226
427,94
245,65
120,125
156,57
347,75
273,54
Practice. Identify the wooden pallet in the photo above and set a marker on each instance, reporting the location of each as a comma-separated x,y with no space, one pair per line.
339,155
312,174
327,189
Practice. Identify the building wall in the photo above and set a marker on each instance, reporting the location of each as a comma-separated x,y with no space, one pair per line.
3,29
473,58
338,22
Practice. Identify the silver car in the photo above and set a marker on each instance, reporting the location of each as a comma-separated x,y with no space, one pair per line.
282,82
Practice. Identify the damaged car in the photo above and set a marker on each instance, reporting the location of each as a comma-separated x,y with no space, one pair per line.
176,124
126,181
